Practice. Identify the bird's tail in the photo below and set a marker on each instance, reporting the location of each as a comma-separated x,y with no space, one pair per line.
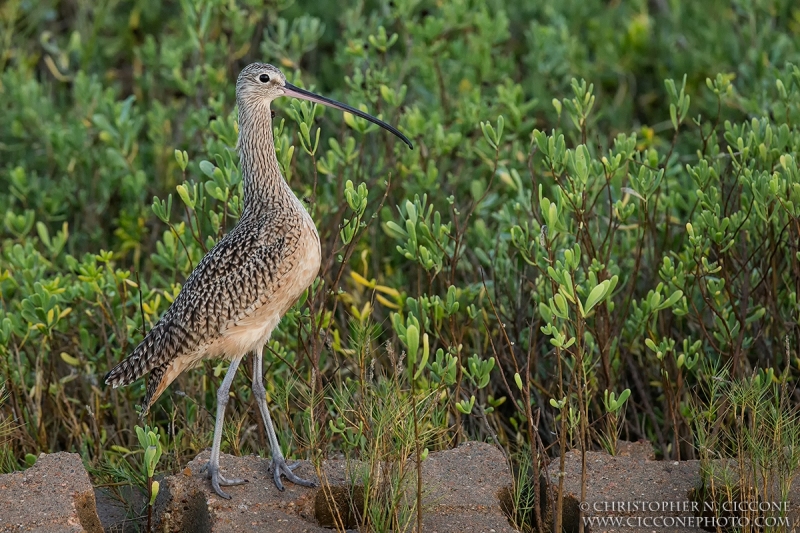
158,381
137,364
148,357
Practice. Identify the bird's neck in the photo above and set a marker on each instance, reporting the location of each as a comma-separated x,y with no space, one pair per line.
262,182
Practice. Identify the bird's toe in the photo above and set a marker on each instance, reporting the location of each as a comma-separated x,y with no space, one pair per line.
225,482
218,480
298,480
280,468
218,490
276,476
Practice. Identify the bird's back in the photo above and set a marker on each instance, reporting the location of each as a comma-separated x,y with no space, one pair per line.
233,299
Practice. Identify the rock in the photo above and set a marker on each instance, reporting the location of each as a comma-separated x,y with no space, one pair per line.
630,491
187,503
461,490
55,495
641,449
121,512
617,486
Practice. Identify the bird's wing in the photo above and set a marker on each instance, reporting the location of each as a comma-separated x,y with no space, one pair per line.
237,274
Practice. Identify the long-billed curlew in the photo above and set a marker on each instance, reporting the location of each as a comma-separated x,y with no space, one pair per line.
238,293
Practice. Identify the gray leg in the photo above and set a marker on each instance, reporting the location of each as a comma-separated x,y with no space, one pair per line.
213,464
279,465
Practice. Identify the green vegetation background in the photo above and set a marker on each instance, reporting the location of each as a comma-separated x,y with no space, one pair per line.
548,242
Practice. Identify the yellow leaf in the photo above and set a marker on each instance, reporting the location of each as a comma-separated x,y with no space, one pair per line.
386,302
120,449
71,361
387,290
345,298
350,120
240,53
361,280
134,19
365,311
505,177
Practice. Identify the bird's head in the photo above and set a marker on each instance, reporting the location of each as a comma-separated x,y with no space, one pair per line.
260,82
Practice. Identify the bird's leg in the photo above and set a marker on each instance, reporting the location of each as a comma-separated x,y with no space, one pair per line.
212,467
279,465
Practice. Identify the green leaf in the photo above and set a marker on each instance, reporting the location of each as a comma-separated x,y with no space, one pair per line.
154,488
426,350
672,300
412,343
595,296
465,406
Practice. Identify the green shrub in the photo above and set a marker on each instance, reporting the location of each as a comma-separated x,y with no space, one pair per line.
571,223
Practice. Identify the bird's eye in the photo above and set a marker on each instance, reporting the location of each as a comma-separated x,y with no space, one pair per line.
264,78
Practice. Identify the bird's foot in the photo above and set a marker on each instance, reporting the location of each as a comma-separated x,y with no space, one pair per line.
279,467
218,480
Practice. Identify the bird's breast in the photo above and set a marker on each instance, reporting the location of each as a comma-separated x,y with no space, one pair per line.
309,257
293,274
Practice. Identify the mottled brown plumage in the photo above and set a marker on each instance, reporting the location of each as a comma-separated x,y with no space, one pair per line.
233,300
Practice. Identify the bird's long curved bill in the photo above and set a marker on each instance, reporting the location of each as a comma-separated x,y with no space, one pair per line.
297,92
